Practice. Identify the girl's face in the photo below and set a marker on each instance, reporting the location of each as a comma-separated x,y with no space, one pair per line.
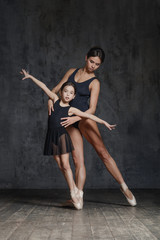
67,94
92,63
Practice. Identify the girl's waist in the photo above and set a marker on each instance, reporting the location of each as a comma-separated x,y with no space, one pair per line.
56,129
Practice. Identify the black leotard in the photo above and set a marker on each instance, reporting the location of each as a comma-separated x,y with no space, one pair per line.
57,139
82,94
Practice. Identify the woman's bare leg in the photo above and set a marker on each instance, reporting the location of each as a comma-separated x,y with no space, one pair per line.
78,157
90,131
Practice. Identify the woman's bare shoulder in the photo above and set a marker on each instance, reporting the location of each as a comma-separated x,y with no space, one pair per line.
94,85
66,76
95,82
70,71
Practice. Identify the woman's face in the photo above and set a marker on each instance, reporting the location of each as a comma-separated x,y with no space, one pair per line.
92,63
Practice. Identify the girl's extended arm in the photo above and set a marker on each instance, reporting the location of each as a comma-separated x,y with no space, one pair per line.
50,94
94,88
79,113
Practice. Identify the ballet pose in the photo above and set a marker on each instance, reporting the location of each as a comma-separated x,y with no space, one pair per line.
88,87
58,142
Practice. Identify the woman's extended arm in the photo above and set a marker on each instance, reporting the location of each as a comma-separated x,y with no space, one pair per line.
90,116
94,94
57,88
50,94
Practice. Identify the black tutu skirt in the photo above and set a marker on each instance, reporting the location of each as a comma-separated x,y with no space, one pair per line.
57,142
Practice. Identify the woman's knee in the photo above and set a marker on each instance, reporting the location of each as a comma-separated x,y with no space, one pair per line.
104,154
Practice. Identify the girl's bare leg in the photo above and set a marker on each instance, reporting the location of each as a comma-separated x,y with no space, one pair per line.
90,131
78,157
63,163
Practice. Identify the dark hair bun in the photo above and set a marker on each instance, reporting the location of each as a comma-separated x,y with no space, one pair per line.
96,52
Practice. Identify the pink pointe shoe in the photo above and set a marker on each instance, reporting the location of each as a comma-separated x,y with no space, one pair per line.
123,189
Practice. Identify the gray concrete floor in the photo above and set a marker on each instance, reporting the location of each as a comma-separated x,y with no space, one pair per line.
38,215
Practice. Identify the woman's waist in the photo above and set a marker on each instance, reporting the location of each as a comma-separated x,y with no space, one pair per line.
81,105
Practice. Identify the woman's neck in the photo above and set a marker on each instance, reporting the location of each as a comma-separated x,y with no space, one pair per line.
85,71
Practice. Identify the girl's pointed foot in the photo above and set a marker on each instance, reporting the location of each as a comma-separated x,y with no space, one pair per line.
75,199
79,194
128,194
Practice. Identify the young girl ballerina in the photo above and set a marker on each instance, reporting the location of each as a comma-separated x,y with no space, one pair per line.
58,142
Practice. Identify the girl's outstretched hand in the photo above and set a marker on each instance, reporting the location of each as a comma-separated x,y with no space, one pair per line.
25,73
110,127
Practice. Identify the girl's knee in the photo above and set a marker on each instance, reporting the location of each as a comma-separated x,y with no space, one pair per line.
60,166
57,159
78,161
66,167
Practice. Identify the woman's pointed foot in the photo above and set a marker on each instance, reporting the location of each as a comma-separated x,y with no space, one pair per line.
128,194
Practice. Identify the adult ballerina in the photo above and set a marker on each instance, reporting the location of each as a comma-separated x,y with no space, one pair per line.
88,87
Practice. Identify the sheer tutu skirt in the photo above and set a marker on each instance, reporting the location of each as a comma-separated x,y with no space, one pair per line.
57,142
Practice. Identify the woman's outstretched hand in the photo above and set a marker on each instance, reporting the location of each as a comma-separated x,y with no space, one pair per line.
109,126
25,73
50,106
67,121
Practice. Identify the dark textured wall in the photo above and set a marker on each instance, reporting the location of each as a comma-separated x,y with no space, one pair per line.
48,37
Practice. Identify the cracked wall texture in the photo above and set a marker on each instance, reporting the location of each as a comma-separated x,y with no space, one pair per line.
48,38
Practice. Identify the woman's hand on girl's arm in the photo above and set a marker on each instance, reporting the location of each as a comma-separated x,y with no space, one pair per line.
50,106
67,121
